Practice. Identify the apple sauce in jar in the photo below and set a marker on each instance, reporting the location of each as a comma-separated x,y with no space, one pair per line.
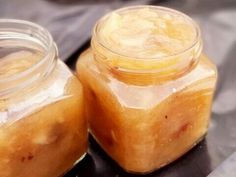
43,130
148,86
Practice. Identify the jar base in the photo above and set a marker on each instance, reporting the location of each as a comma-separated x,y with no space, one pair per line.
76,163
80,159
168,163
156,169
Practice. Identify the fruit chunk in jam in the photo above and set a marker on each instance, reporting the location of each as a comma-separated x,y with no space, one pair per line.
142,112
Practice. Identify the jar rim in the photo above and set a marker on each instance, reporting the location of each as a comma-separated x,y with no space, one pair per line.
160,8
50,46
13,29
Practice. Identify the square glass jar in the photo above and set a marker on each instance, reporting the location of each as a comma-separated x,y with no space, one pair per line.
146,111
43,130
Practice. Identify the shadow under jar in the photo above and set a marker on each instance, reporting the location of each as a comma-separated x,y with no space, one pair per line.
148,87
43,130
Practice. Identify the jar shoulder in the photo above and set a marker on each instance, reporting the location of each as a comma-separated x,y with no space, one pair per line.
202,78
61,85
204,68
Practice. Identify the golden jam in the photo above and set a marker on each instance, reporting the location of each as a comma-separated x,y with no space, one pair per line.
146,33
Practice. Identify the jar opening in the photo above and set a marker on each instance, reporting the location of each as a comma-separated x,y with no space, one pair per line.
170,51
27,53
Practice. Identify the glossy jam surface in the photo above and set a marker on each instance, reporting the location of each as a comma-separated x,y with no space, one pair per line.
143,118
146,33
16,62
42,127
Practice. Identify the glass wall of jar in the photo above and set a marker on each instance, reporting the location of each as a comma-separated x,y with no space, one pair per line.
148,86
43,130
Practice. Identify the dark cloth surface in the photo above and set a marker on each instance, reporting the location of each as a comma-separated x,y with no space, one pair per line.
71,22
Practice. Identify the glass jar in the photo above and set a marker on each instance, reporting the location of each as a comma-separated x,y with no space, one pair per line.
148,86
43,130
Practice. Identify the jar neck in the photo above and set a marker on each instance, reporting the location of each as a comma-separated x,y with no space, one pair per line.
140,69
18,37
146,71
